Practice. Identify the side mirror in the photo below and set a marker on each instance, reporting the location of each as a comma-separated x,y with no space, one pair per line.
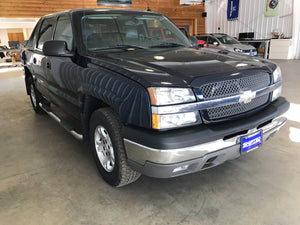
216,43
193,41
55,48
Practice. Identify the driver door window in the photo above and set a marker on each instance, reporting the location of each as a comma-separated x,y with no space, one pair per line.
210,40
63,31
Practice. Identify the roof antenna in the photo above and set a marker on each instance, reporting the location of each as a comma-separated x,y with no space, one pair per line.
148,9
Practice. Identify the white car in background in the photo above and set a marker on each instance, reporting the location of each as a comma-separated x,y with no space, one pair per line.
226,42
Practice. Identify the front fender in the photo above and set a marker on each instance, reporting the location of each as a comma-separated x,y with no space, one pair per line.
127,97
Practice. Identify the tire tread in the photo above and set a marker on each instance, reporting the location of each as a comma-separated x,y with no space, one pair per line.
126,174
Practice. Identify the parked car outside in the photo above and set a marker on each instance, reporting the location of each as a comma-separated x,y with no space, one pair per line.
148,106
201,43
226,42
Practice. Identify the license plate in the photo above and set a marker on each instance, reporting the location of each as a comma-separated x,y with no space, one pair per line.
250,142
251,53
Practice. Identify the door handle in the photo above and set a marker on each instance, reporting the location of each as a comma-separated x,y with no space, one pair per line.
48,65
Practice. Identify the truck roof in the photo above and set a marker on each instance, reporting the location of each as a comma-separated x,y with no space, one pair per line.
104,11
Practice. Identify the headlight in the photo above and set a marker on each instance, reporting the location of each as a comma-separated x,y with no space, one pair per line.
277,74
276,93
170,96
238,50
174,120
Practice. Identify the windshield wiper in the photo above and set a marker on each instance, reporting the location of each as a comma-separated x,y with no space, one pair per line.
167,45
119,47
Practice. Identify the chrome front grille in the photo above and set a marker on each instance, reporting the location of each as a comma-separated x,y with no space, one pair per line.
222,89
249,50
233,87
237,108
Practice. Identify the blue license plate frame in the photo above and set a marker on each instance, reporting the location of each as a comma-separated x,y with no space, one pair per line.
251,142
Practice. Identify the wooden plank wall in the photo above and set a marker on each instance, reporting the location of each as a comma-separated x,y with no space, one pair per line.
38,8
16,37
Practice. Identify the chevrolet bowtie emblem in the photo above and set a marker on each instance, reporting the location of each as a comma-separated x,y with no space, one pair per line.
247,96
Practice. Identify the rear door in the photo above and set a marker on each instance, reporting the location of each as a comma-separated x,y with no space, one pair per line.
39,60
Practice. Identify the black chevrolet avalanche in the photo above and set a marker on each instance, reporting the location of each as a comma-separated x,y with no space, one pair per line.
148,103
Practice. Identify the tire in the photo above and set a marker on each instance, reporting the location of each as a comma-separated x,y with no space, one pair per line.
35,97
108,148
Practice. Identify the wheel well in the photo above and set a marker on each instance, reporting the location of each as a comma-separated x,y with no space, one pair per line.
28,75
90,104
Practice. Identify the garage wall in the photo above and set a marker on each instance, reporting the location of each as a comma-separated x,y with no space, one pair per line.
251,18
3,37
171,8
294,52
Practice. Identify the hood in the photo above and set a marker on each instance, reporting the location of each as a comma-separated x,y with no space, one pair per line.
179,67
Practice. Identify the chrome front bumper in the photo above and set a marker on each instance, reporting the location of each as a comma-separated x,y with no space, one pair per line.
165,163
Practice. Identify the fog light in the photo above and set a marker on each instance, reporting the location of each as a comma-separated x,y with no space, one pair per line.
180,168
276,94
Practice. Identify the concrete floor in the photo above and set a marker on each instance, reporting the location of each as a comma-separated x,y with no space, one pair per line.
48,177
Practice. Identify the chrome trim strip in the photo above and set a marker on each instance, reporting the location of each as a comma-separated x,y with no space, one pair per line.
140,153
196,106
58,120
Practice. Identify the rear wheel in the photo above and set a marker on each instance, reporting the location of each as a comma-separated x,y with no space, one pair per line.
108,148
35,97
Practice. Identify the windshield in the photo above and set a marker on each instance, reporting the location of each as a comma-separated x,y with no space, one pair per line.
225,39
105,31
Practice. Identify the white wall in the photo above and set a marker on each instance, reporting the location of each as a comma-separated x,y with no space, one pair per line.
17,22
251,18
3,37
27,32
294,51
16,25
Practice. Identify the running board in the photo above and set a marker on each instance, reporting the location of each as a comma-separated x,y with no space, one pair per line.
61,122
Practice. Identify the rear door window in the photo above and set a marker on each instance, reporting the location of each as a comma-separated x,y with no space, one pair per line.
33,36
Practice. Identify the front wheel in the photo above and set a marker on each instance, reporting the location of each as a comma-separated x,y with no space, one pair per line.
108,148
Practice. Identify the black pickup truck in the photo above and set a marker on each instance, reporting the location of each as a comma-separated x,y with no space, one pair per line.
147,104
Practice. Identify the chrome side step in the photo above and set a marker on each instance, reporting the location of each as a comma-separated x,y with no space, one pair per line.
61,122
